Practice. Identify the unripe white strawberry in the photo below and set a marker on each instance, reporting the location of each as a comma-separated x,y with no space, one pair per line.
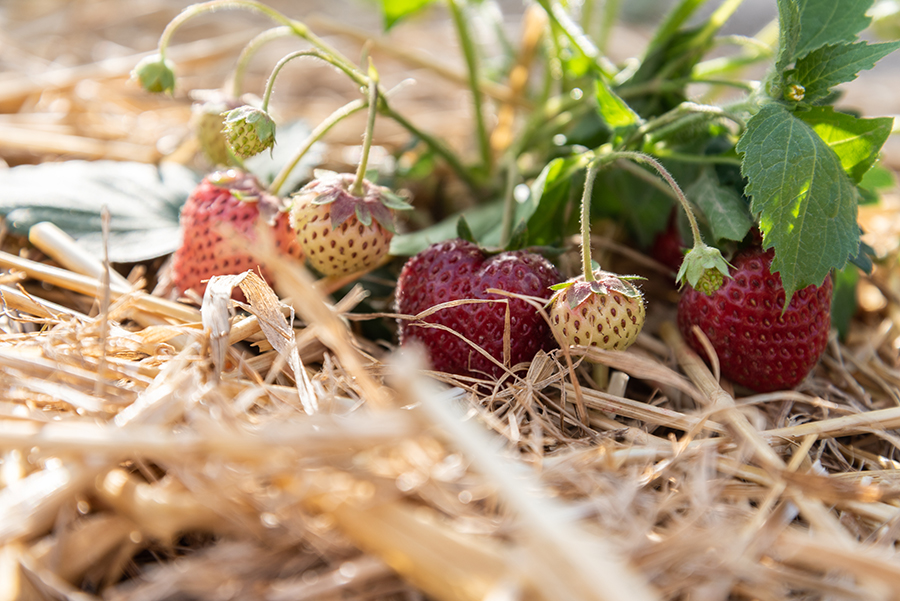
606,313
342,233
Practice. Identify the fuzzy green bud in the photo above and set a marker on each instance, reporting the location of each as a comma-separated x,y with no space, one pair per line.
704,269
249,131
155,74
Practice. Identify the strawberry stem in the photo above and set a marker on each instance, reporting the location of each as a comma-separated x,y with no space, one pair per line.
640,157
270,84
252,47
314,136
588,269
357,188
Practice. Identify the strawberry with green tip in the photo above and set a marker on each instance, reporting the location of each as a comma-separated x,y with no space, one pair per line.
607,312
341,232
759,343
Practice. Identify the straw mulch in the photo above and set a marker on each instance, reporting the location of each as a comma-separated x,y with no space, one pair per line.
151,449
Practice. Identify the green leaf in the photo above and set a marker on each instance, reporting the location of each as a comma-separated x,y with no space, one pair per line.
143,200
481,219
613,109
824,22
395,10
545,209
834,64
805,201
725,211
855,141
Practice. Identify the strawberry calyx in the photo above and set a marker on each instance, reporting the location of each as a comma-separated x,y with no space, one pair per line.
246,188
376,202
577,290
704,268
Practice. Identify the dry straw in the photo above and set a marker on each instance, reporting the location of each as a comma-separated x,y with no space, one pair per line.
153,450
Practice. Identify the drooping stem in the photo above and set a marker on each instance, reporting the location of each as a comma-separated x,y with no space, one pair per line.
252,47
640,157
270,84
589,178
357,188
468,48
296,27
314,136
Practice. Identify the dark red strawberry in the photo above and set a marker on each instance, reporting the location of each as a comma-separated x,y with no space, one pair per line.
224,206
759,346
457,269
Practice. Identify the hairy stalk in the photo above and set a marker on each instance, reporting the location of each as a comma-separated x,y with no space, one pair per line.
640,157
252,47
314,136
270,84
298,28
589,178
357,188
333,56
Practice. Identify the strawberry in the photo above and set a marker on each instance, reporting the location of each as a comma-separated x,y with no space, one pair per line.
340,232
208,122
607,312
226,198
456,270
759,345
248,131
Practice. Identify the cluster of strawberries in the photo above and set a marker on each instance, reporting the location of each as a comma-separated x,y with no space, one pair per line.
478,313
759,344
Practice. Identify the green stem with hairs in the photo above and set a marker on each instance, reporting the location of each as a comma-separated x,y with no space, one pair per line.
640,157
314,136
252,47
298,28
357,188
270,84
589,178
509,200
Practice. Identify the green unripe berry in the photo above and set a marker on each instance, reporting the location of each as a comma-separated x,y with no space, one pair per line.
155,74
249,131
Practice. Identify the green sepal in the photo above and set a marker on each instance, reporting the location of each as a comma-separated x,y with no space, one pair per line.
392,200
704,268
463,230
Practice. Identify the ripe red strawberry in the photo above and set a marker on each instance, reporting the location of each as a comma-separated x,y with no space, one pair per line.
342,233
606,313
234,199
759,346
457,269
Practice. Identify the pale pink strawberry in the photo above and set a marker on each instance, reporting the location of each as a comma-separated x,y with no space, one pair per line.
224,206
606,313
342,233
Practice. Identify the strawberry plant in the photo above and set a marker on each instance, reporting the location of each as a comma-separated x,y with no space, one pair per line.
778,163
